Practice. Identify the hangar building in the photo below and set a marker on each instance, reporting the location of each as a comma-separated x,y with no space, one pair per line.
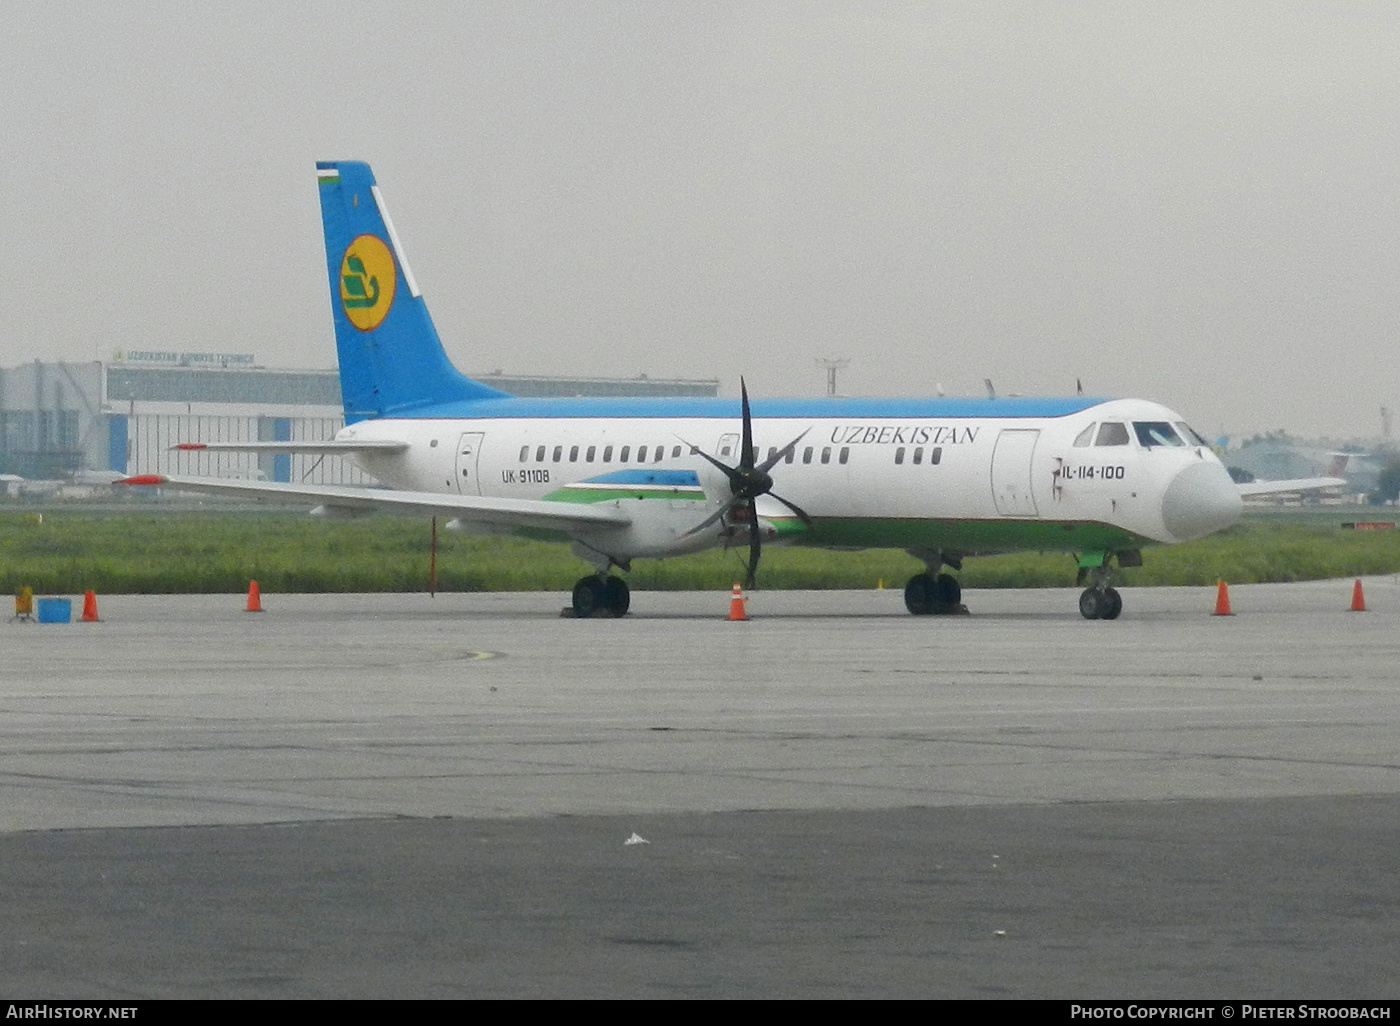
57,418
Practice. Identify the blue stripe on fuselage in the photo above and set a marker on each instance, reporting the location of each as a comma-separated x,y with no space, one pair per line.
638,476
794,409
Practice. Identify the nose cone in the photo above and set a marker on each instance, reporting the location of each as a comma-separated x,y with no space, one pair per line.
1200,499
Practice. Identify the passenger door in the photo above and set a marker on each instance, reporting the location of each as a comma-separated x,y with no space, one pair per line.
1011,472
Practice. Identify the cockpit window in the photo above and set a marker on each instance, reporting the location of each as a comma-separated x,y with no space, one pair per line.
1086,437
1192,436
1156,432
1112,433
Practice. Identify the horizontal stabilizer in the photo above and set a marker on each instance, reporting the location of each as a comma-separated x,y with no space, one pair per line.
328,448
560,516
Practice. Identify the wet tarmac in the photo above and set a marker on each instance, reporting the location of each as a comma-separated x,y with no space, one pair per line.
378,795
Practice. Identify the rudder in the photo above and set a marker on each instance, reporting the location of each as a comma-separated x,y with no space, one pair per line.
391,359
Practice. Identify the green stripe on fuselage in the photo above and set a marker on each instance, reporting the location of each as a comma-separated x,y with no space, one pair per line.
968,537
584,494
965,537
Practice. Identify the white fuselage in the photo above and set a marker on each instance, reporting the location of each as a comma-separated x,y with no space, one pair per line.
848,473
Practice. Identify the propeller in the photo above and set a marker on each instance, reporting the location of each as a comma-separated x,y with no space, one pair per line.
747,482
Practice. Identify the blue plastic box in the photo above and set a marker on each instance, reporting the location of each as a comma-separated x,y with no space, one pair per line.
54,610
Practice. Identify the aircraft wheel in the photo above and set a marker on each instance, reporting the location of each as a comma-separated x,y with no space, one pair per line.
1093,604
947,592
926,595
617,597
919,595
1115,604
590,596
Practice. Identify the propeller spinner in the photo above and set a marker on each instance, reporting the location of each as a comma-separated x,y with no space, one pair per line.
747,482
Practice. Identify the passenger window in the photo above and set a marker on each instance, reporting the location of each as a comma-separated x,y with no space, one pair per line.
675,452
1152,433
539,454
641,454
660,454
918,454
772,451
807,455
588,456
845,453
724,451
573,454
622,456
899,455
524,453
607,453
826,454
1085,437
558,453
1112,433
935,455
789,455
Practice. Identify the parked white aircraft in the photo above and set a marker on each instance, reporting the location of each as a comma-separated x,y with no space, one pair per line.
625,479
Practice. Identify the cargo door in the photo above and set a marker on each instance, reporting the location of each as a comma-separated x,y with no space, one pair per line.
468,457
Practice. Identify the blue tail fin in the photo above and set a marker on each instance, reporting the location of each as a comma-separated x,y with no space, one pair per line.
391,360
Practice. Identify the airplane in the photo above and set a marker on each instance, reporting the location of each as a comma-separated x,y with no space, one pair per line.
625,479
1332,477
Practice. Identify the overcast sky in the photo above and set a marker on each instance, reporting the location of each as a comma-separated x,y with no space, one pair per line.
1190,202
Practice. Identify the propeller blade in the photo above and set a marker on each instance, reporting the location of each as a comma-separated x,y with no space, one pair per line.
746,453
755,545
707,521
781,454
735,478
802,513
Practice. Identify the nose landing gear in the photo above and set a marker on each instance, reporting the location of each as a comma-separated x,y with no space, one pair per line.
1101,601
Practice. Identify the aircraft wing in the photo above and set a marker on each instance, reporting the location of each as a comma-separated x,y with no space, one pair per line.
558,516
1301,484
326,448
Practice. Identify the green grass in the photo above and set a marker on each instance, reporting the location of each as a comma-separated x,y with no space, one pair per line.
183,552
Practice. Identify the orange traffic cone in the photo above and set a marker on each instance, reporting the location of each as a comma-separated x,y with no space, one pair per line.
254,598
89,607
736,604
1222,600
1358,600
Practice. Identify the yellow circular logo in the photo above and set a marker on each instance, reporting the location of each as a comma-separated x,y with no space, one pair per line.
367,282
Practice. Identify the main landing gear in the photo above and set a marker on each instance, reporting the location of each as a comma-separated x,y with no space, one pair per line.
927,595
1100,603
932,593
596,597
